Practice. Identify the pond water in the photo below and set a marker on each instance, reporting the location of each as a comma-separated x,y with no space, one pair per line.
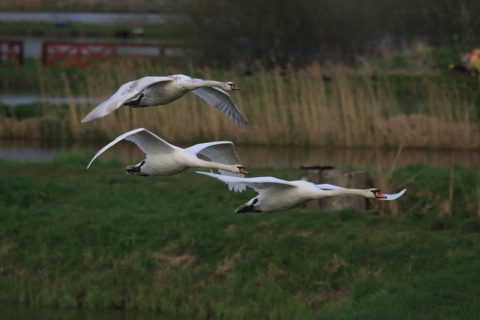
64,18
252,156
13,100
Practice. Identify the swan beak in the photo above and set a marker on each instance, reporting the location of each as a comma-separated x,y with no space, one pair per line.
379,195
233,86
243,170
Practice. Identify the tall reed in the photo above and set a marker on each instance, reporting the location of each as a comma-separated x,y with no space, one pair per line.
293,108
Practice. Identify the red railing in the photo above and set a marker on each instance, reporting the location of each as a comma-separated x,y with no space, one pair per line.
86,54
11,52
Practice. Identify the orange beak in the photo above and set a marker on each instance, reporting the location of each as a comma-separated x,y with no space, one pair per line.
379,195
243,170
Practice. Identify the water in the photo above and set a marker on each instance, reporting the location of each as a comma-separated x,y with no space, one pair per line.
252,156
65,18
14,100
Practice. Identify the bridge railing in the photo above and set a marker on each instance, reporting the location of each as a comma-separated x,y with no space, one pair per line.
84,54
11,52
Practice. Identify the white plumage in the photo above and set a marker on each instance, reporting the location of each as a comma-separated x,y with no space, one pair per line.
153,91
163,158
280,195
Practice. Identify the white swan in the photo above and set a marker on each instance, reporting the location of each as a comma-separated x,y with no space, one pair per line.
280,195
153,91
164,159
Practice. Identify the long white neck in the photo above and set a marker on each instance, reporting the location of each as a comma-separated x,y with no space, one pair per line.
207,83
199,163
319,194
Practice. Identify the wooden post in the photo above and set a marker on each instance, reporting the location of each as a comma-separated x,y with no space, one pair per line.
342,178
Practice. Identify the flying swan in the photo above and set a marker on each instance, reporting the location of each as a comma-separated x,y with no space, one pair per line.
153,91
280,195
164,159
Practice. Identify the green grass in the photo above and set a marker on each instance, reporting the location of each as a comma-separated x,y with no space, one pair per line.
98,239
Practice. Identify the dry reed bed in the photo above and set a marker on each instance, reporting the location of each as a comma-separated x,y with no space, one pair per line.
297,109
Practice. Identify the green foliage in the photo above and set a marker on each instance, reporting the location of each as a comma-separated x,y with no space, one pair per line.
22,112
282,32
432,189
98,239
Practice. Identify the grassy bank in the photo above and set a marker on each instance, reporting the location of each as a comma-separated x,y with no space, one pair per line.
99,239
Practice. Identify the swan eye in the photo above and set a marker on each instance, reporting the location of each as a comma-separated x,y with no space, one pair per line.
233,86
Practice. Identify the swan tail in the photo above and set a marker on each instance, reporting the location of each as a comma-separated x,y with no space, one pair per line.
247,207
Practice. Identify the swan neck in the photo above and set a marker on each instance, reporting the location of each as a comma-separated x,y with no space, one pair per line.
208,83
215,165
340,192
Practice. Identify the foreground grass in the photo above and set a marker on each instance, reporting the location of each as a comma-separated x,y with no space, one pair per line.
99,239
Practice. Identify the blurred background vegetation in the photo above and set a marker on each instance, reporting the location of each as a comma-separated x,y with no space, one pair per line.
282,32
352,63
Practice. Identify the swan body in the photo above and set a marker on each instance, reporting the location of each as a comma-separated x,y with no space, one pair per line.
280,195
164,159
153,91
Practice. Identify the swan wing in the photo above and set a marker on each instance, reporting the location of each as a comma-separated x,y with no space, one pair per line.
222,101
223,152
258,184
393,196
126,92
146,141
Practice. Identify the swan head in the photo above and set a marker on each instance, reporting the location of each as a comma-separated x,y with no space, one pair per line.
242,170
231,86
375,194
136,169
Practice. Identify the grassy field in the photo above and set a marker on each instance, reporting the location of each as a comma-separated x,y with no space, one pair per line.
98,239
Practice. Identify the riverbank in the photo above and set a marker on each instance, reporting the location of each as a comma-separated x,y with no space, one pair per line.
98,239
257,156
